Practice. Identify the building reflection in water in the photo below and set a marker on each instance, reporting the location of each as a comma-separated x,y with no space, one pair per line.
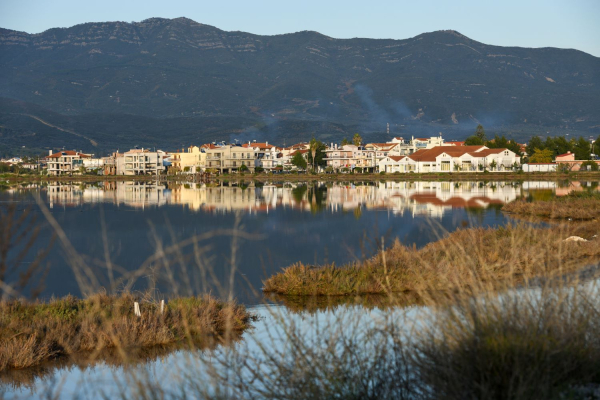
415,198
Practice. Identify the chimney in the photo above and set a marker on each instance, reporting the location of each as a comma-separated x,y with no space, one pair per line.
49,152
266,143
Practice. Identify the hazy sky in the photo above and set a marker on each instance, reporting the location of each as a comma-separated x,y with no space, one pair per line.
527,23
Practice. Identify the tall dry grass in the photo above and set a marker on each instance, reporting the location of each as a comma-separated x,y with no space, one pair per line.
576,206
33,332
464,258
524,343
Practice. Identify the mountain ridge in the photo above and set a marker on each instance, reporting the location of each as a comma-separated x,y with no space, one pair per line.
177,68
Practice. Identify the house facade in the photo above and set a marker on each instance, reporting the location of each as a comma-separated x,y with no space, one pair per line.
229,158
140,162
66,162
190,161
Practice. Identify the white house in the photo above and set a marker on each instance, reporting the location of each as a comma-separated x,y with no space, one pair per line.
391,164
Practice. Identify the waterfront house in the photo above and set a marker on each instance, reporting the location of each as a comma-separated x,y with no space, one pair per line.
463,159
229,158
65,162
141,162
266,155
391,164
190,161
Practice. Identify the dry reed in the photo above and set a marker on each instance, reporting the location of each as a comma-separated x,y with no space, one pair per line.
32,332
467,257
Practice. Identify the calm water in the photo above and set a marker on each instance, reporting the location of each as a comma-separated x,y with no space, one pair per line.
121,230
269,226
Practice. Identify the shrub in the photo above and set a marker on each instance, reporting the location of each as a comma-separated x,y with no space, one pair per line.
589,166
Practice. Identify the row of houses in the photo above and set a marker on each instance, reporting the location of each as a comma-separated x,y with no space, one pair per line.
397,155
420,155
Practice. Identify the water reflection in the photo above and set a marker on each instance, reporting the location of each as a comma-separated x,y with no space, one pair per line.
432,199
124,226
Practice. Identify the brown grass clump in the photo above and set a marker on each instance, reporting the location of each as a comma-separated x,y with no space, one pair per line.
31,332
577,206
463,258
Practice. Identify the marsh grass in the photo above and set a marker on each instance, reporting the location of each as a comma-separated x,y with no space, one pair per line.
524,344
464,258
518,343
576,206
32,332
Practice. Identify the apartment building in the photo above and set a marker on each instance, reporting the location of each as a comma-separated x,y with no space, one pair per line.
229,158
140,162
65,162
350,156
266,155
192,160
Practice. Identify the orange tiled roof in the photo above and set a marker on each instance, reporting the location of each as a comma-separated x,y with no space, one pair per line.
396,158
431,154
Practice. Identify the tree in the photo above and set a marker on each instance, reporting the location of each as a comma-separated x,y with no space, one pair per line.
243,168
493,165
480,133
499,142
582,149
561,145
597,147
357,140
589,165
316,155
535,143
541,156
514,147
345,142
473,141
299,161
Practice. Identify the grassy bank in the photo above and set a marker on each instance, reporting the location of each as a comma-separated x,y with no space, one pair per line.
31,333
466,257
576,206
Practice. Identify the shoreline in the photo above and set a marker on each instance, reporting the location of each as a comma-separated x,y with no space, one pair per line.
264,177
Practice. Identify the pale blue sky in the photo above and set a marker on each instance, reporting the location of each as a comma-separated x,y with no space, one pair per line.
526,23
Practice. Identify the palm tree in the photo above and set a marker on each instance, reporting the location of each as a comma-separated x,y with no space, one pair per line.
314,145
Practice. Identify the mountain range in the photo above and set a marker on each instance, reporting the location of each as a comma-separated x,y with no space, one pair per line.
173,82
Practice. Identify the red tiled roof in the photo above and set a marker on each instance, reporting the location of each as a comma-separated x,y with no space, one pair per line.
431,154
396,158
68,153
566,154
486,152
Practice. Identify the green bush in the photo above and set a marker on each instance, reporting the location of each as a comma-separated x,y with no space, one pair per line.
589,165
